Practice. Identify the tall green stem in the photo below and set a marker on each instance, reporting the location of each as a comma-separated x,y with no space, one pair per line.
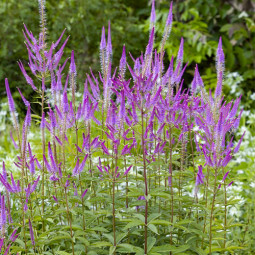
212,210
146,188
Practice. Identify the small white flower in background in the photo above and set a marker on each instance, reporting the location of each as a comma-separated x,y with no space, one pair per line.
78,94
232,80
252,96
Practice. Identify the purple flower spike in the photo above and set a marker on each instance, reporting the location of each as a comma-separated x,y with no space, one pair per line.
13,236
239,143
103,42
197,81
65,103
9,96
82,165
153,13
200,176
28,118
127,171
72,64
13,141
28,78
4,172
225,176
31,233
199,179
75,170
149,47
170,16
84,193
180,52
3,213
123,62
55,199
109,40
230,184
219,49
23,99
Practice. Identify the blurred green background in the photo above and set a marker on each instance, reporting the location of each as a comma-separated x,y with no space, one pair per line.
200,22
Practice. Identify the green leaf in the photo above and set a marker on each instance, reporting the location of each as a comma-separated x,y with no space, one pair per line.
153,228
153,216
126,247
134,223
168,248
150,242
101,244
63,253
109,237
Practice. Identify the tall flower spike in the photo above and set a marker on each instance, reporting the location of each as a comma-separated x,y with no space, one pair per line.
23,99
65,103
27,77
168,28
28,119
220,58
123,62
197,81
153,14
42,19
149,47
9,96
103,42
109,40
170,16
180,52
72,64
2,215
31,233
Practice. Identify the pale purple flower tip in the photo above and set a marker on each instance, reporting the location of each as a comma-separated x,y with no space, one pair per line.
72,64
153,13
180,52
31,233
170,16
84,193
219,49
103,42
9,96
109,40
149,47
123,61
